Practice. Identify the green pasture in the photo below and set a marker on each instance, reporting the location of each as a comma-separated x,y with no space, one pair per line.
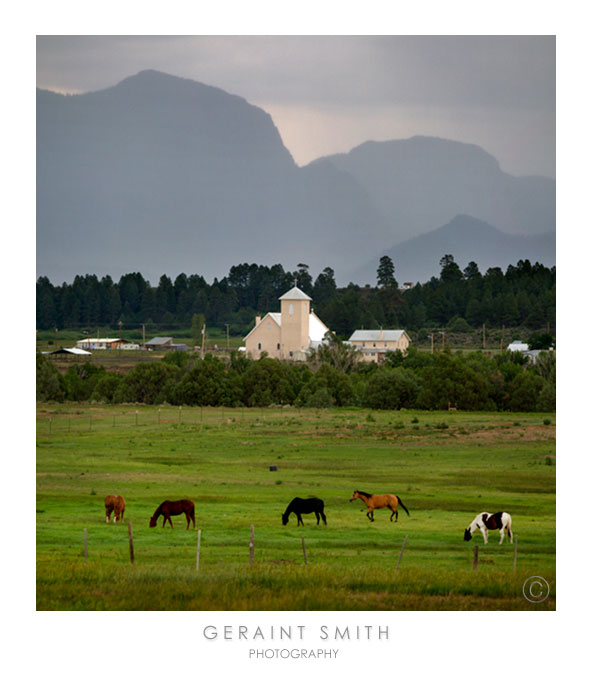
445,466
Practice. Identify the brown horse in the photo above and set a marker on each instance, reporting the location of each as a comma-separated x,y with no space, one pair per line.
168,509
379,502
114,505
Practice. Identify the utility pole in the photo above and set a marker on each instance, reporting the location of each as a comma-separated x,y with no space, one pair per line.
228,336
203,341
431,336
144,335
442,339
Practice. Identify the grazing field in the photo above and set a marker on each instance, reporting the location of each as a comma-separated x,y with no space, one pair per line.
445,466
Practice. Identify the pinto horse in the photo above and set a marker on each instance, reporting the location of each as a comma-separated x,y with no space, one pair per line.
379,502
490,521
169,508
299,506
114,504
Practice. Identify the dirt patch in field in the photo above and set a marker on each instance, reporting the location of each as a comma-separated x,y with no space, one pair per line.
505,435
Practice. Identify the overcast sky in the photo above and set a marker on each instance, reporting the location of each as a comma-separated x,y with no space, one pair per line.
329,94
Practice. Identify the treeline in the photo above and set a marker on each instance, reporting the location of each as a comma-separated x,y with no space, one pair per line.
419,380
523,295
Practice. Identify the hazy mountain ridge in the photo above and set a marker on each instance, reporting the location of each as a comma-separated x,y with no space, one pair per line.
467,239
419,183
163,174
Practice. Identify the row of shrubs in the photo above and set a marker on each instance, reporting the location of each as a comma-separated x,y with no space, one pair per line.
420,380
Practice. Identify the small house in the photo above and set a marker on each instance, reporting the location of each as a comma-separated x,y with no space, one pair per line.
375,344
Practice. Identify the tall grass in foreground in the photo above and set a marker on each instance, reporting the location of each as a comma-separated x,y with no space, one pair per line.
96,586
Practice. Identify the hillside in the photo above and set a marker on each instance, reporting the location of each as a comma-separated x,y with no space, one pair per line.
417,184
467,239
162,174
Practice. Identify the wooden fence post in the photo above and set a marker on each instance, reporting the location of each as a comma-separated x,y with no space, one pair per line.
131,555
251,544
198,549
401,552
475,563
304,549
515,555
85,546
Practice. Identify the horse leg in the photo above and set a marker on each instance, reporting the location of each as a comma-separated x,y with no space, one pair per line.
317,514
502,535
299,515
485,534
323,517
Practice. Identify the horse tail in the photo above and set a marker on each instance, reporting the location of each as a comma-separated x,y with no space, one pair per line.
401,504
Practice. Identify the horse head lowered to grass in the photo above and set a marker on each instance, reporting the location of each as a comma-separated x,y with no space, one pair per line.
299,506
490,521
379,502
114,505
169,508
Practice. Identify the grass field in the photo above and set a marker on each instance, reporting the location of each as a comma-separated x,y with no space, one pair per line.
446,467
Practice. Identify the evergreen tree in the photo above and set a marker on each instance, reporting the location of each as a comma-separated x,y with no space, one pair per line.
385,273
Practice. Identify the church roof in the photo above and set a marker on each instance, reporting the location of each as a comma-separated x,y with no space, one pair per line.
317,328
295,294
391,335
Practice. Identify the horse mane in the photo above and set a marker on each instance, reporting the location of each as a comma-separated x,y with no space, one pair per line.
365,494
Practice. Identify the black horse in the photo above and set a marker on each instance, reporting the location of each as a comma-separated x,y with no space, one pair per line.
299,506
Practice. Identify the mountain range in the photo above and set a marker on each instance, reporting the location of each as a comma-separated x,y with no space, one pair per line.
164,175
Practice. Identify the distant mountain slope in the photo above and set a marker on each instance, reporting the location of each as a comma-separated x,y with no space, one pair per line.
467,239
419,182
164,175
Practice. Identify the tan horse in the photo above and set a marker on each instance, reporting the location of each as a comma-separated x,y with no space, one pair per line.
114,505
379,502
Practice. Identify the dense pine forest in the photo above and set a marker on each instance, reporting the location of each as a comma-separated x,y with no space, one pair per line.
459,300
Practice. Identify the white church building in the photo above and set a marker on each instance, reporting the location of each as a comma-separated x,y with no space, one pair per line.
289,334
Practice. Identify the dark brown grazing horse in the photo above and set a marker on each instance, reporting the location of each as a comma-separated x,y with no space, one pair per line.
168,509
379,502
114,505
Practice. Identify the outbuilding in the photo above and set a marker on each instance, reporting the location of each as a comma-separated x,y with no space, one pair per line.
375,344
